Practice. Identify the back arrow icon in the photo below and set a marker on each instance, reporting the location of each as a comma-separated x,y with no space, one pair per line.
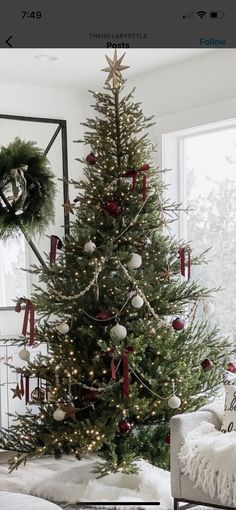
7,41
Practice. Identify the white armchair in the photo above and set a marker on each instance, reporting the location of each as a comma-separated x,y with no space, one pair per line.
182,488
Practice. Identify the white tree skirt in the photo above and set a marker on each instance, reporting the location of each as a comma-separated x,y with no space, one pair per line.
15,501
70,480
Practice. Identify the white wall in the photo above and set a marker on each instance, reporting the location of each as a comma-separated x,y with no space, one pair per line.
177,94
53,103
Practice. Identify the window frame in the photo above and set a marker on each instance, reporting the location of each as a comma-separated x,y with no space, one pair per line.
173,145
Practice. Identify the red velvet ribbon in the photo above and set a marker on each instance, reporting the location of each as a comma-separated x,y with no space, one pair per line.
125,364
29,316
26,389
113,369
56,244
22,385
182,253
133,175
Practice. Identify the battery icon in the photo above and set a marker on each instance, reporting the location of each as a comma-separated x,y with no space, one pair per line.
217,14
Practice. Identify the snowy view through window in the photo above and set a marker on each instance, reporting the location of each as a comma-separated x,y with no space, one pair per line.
210,176
13,281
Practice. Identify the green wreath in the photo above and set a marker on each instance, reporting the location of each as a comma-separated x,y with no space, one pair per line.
27,189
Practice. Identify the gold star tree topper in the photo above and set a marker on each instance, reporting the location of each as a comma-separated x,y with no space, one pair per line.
114,69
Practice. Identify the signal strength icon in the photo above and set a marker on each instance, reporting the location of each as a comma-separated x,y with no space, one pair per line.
201,14
189,15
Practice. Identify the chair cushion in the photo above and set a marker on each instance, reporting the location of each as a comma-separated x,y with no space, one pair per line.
229,417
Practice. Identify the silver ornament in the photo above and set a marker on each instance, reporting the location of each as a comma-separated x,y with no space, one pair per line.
24,354
135,261
174,402
137,301
118,332
89,247
63,328
59,415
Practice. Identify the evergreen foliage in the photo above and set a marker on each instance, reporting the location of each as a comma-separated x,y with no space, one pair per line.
81,285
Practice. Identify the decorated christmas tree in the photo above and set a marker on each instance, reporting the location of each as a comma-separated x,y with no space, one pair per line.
117,309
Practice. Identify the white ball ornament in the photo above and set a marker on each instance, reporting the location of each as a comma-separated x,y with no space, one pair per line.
118,332
59,415
137,301
63,328
89,247
174,402
208,308
24,354
135,261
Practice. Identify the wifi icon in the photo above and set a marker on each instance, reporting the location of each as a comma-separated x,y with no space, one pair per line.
201,14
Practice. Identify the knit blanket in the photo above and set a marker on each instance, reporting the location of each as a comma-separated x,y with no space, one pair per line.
208,458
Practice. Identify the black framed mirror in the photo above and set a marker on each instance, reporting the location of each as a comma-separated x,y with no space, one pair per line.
51,136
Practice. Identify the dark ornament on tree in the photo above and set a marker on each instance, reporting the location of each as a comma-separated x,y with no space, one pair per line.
37,395
113,208
27,189
231,367
91,159
104,315
124,426
40,443
167,439
207,364
91,395
178,324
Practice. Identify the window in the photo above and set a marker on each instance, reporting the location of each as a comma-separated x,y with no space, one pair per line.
13,281
206,163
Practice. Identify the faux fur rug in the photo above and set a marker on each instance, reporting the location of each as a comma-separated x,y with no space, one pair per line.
69,481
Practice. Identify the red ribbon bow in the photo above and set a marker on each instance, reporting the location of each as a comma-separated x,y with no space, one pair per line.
29,316
56,243
182,254
27,389
133,174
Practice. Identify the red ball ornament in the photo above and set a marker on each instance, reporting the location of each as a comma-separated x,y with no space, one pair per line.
207,364
167,439
91,159
92,395
178,324
113,208
130,348
104,315
231,367
124,426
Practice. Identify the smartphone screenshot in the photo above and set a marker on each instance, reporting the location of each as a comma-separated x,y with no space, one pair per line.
117,255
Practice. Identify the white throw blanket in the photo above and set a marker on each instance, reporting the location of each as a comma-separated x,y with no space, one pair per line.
208,458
